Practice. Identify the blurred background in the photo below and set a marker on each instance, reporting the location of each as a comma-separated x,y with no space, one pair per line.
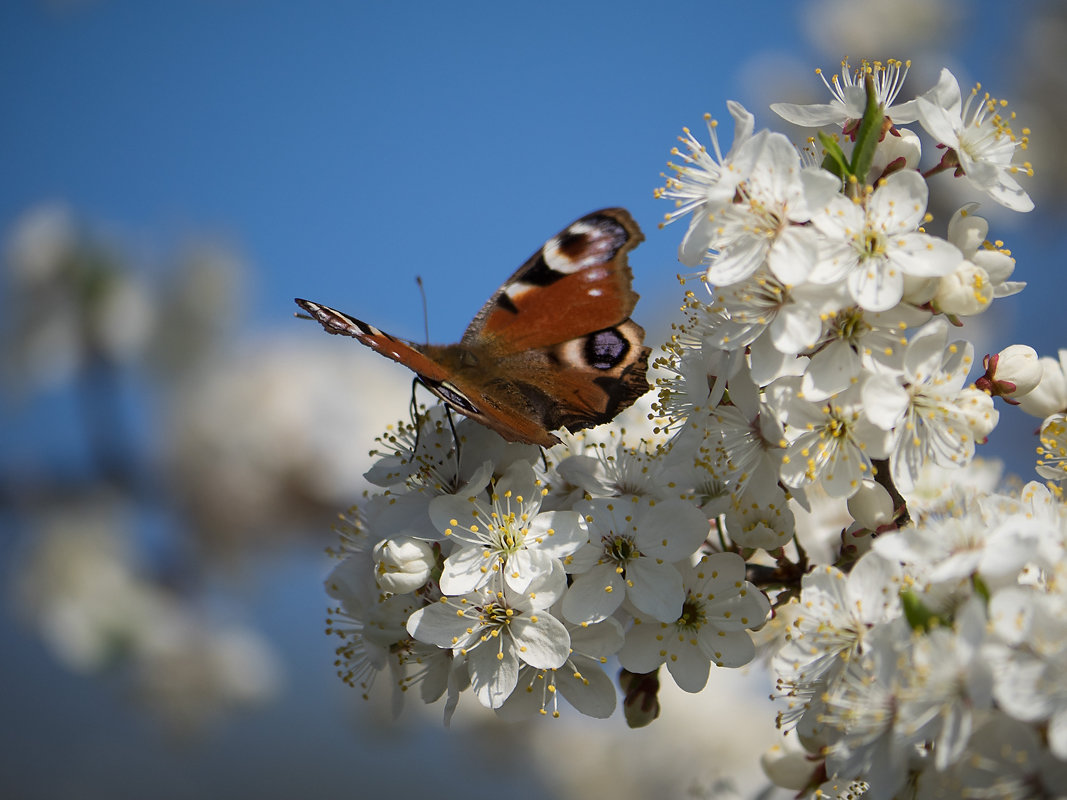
174,445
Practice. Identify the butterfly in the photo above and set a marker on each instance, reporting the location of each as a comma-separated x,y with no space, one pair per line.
553,348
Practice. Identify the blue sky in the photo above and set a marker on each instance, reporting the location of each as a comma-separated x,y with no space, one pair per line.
343,149
346,147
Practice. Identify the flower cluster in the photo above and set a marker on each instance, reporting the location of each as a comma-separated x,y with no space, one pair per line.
938,661
491,580
831,304
821,366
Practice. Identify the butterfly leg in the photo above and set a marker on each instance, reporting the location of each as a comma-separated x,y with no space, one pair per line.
455,436
413,410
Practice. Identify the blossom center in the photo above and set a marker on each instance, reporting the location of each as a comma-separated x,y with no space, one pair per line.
620,549
693,615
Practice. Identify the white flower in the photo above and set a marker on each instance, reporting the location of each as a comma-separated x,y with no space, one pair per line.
831,443
761,517
899,148
751,435
630,555
790,315
616,469
1030,674
837,611
968,232
507,537
1009,759
495,631
933,416
766,224
863,709
980,136
581,681
1052,463
705,184
1050,395
965,292
853,340
850,96
874,244
719,606
949,683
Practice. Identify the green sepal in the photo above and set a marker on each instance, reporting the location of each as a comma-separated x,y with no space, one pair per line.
834,161
980,588
869,133
919,617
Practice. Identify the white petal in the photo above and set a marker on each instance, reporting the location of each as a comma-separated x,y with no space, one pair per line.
672,530
439,624
735,263
925,256
656,589
884,401
541,640
876,285
702,229
465,570
938,122
493,678
643,650
793,255
595,595
820,187
796,327
560,533
687,662
898,205
831,370
592,692
814,115
727,648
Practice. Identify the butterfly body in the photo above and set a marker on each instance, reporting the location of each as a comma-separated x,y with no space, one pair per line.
553,348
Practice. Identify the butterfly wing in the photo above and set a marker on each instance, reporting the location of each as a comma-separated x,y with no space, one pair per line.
407,353
553,348
580,383
451,372
577,283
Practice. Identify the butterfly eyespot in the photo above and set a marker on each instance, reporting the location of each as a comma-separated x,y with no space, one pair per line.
605,349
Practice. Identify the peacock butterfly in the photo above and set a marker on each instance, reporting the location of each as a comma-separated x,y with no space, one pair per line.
553,348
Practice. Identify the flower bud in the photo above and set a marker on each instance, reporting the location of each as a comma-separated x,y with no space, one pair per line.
403,564
788,769
871,506
1011,373
966,291
1050,395
1020,365
900,149
920,291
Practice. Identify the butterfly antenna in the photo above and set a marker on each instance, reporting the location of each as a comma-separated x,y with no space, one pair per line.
425,313
300,315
